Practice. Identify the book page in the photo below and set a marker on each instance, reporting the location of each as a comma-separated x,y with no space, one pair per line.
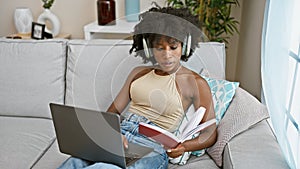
193,120
197,129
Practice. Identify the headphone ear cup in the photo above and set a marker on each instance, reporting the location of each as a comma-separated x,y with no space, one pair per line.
183,50
146,48
188,45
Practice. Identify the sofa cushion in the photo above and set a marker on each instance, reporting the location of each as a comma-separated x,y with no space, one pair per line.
243,112
53,158
97,69
256,148
196,162
24,140
211,57
32,74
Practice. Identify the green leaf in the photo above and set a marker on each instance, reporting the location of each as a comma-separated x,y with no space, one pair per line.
215,14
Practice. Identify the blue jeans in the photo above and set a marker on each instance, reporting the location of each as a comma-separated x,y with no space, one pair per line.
158,159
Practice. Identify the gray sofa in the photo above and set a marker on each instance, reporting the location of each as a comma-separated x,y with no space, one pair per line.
89,74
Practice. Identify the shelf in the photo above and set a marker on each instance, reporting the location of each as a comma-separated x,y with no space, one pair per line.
121,30
28,36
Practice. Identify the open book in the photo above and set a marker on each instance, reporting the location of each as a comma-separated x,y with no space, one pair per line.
170,140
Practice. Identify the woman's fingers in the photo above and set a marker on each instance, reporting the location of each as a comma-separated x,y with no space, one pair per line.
125,141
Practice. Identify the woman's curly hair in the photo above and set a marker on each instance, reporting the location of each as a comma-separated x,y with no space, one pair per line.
166,21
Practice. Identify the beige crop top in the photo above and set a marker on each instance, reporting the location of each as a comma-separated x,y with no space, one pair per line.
156,98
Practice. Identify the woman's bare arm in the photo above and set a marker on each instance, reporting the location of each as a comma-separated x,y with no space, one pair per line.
208,136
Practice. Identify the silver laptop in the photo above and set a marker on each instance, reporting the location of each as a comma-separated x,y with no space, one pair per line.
94,136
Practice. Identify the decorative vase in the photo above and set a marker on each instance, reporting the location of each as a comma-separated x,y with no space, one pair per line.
23,20
132,10
106,10
47,15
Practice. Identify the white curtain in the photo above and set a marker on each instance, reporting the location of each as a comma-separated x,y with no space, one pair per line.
281,73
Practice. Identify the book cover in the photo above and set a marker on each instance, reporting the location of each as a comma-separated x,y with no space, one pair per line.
170,140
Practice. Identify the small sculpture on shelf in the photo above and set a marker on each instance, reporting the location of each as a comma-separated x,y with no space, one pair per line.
48,15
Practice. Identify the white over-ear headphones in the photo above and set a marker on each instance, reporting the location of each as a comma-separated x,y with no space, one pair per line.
147,51
186,46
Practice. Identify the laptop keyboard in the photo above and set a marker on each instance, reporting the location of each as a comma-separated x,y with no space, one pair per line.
130,157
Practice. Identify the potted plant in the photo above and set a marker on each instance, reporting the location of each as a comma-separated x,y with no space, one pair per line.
217,23
47,3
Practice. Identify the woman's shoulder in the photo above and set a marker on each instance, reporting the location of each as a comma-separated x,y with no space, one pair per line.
192,75
189,72
139,71
142,68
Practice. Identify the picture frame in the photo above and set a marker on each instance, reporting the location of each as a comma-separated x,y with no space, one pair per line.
37,30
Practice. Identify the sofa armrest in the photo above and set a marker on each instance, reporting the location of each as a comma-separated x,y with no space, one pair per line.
243,113
255,148
245,139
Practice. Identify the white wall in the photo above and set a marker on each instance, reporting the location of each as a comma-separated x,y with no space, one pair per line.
232,47
248,61
73,14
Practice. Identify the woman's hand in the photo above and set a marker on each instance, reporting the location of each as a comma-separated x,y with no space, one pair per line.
125,141
176,152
